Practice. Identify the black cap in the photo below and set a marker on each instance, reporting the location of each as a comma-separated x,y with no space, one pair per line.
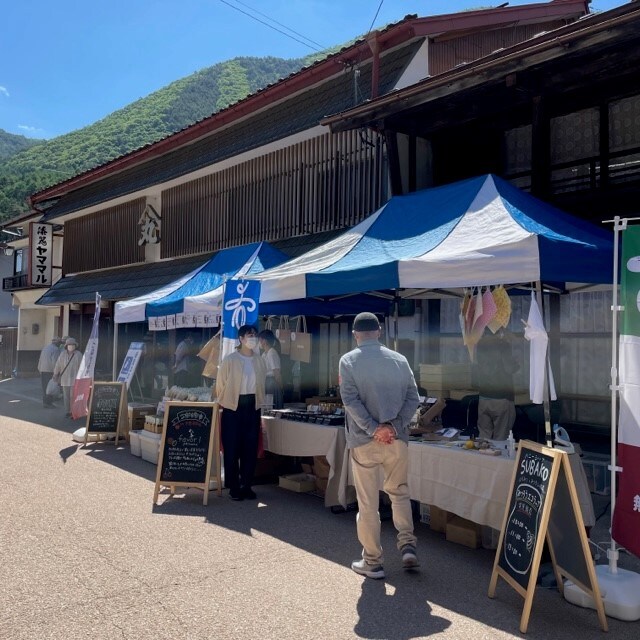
366,322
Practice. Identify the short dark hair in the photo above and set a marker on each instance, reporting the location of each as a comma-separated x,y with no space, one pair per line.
268,336
245,329
366,321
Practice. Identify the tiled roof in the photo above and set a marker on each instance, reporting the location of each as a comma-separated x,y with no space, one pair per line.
137,280
289,117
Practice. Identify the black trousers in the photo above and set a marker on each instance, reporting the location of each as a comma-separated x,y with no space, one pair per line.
240,430
45,376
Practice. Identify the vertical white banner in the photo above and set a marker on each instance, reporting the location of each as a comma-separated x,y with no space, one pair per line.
84,379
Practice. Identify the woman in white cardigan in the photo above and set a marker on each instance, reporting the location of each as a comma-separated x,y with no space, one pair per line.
240,392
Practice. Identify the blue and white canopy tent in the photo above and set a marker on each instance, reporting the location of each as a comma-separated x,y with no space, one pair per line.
481,231
477,232
201,290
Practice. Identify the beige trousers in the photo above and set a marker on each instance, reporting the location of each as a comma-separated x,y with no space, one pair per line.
393,460
495,418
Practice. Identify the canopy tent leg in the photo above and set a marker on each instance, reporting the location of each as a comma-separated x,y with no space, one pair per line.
396,302
545,402
114,365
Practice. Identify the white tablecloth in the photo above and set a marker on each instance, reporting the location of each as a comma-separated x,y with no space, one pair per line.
473,485
291,438
467,483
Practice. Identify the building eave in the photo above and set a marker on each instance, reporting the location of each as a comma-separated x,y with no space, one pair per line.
359,52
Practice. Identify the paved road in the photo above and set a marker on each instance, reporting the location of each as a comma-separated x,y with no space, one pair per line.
85,554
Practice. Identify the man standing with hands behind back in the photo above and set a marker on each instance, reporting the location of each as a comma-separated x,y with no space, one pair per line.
380,397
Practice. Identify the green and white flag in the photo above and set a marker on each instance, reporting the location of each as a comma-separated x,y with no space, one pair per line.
626,519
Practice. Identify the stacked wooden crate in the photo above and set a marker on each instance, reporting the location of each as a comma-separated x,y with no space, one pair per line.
440,379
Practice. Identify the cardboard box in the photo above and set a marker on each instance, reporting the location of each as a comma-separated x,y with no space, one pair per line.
321,485
321,467
153,424
438,518
444,377
298,482
463,532
137,412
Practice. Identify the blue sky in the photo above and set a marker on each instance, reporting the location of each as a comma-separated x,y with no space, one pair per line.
65,64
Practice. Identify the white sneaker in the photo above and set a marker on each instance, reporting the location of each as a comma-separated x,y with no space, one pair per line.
374,571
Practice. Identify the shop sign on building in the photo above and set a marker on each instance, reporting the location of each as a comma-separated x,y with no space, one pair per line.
41,263
149,224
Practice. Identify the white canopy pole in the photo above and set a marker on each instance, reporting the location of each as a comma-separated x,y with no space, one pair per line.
618,225
620,588
114,367
546,397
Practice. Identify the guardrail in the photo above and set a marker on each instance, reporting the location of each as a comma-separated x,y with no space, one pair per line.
13,283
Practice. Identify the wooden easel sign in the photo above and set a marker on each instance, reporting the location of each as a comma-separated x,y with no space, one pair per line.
107,410
190,440
543,505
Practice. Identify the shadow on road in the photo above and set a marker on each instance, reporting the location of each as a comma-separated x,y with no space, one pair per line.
67,452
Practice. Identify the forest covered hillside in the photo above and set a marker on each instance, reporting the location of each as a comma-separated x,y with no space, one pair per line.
37,164
11,144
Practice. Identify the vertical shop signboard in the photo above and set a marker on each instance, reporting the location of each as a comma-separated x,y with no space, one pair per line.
41,262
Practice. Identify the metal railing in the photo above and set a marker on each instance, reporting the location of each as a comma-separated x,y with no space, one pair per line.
13,283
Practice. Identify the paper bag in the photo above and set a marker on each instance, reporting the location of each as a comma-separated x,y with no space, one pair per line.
300,342
283,333
210,353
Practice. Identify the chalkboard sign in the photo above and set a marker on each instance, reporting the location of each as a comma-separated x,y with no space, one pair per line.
190,439
543,505
563,532
106,409
524,513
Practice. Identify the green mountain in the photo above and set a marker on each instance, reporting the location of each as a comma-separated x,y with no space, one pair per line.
11,144
172,108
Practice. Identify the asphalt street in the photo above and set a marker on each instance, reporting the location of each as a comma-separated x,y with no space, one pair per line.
84,553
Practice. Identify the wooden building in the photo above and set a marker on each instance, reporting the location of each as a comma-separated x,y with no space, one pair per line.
559,116
262,169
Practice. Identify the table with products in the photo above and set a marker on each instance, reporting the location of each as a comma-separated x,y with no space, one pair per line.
305,439
473,485
466,483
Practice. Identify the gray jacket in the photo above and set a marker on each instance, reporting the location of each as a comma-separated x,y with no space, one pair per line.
48,358
376,386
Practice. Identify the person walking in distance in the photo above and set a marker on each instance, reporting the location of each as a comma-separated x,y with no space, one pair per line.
46,363
380,397
66,370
